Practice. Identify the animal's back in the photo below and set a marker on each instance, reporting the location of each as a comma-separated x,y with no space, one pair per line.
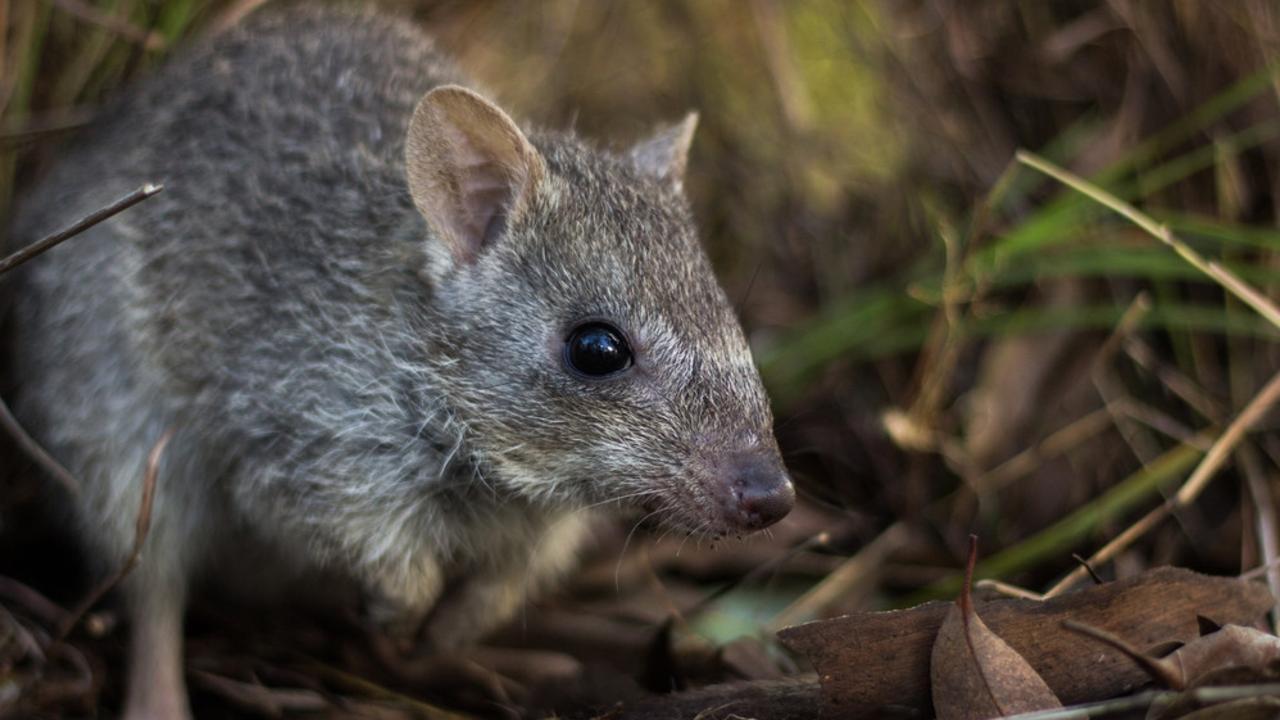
258,265
261,306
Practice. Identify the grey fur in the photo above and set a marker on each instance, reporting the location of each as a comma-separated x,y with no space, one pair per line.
344,397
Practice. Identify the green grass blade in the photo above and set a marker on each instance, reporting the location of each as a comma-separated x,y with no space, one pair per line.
1059,540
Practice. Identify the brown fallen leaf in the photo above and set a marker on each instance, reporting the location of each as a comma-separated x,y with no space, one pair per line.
976,675
1195,663
1233,646
1229,656
871,661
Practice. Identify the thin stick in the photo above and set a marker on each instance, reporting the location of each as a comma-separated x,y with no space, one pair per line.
141,528
1160,422
1251,414
1159,699
7,420
47,611
36,452
1190,490
850,574
1224,277
1109,387
1265,525
771,567
1008,589
1257,572
1056,443
79,226
1175,380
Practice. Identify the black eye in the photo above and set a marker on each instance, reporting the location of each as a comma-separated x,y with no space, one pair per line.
597,349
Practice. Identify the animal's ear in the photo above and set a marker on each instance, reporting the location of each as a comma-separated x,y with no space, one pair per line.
665,154
469,167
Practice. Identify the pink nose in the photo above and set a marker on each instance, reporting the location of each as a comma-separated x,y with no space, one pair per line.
761,492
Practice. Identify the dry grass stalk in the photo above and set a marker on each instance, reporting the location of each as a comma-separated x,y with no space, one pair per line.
1055,444
1178,382
1265,524
1191,489
36,452
1111,389
853,572
1224,277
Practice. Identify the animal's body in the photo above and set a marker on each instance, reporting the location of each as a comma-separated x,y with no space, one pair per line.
395,337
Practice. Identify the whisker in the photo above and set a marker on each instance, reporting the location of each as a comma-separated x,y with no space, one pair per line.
696,530
617,568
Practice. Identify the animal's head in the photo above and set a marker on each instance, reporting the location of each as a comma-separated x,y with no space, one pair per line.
589,350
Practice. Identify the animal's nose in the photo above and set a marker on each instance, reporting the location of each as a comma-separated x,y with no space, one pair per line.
762,490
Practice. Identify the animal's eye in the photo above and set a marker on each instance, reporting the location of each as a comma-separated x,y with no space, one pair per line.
597,349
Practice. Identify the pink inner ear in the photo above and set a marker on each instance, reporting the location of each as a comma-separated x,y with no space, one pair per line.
485,189
468,167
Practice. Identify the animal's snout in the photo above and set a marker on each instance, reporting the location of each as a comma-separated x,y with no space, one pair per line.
760,491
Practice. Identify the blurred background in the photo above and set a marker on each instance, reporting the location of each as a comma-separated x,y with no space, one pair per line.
954,342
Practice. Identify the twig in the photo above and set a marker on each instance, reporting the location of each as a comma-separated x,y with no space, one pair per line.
1204,472
1160,422
1052,541
1007,589
84,223
1224,277
1087,568
851,573
7,420
35,451
1174,379
1252,413
770,567
44,609
1264,522
1133,316
1109,387
1152,699
1160,671
1259,571
141,528
1056,443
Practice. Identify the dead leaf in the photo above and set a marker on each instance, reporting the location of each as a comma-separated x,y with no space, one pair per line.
872,660
1233,647
976,675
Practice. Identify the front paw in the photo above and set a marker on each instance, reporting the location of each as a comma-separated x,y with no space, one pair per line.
397,629
399,597
470,611
395,620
